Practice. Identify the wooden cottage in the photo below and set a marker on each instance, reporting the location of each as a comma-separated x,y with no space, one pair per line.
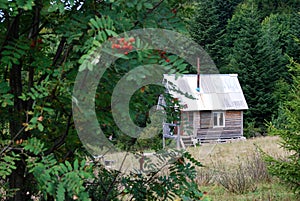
213,112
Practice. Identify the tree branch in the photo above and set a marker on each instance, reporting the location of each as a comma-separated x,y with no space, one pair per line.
12,140
33,34
61,140
149,12
56,57
10,30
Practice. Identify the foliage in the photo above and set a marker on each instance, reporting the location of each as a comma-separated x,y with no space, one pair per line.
288,129
243,34
251,131
43,45
258,56
280,6
251,38
179,182
208,26
7,165
78,181
53,179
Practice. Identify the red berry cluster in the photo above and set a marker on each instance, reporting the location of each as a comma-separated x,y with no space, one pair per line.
163,55
123,45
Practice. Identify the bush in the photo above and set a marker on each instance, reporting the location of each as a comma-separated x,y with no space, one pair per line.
251,131
245,177
236,181
205,176
256,167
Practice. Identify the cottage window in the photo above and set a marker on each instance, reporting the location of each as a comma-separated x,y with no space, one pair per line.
218,119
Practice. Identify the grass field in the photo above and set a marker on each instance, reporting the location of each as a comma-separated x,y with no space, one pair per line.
235,171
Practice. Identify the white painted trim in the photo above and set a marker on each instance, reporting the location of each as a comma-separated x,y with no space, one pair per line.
218,112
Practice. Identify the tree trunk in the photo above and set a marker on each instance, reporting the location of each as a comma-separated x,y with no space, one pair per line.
16,179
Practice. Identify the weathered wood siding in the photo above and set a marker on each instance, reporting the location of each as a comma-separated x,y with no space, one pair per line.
232,129
200,124
205,120
233,123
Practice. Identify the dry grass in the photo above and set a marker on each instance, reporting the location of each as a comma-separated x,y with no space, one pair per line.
235,171
231,154
264,192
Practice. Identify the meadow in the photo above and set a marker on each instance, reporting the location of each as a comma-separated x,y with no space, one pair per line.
236,171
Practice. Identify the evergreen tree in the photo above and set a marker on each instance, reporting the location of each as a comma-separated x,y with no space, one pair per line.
251,38
209,26
273,47
256,49
243,34
288,129
267,7
205,26
292,48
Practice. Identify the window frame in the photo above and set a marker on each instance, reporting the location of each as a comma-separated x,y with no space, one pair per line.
218,113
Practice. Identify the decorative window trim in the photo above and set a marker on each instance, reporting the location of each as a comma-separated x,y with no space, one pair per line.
218,119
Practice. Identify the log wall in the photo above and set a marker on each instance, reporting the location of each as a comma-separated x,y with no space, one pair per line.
233,126
200,125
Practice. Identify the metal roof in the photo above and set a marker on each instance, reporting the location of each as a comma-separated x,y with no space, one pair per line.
217,91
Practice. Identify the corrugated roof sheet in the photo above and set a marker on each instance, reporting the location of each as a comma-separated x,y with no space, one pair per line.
217,92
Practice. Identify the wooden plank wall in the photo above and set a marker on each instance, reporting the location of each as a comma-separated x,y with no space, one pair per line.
205,120
196,123
232,129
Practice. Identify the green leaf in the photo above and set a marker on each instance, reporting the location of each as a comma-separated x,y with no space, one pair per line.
68,164
139,6
148,5
60,192
40,127
173,58
82,164
34,145
111,33
76,164
94,23
90,66
63,168
82,67
129,4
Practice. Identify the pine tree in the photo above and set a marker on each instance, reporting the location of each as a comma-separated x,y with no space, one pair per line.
268,7
243,33
272,58
288,129
209,26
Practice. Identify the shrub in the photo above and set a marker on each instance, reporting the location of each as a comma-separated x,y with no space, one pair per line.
236,181
205,176
245,177
256,167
